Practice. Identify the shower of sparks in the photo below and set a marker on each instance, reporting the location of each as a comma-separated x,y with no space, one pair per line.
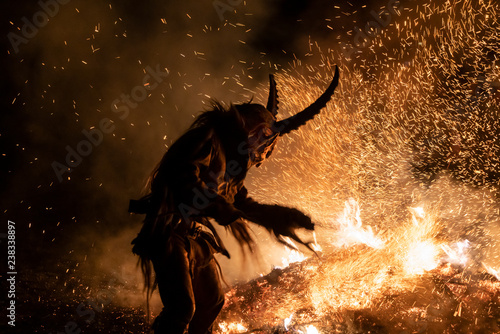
397,136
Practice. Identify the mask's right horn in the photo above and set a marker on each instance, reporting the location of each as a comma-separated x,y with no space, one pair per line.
294,122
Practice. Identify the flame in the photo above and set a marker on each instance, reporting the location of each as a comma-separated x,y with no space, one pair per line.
291,255
233,327
316,246
422,256
352,230
353,278
417,212
457,253
311,330
492,271
287,321
357,276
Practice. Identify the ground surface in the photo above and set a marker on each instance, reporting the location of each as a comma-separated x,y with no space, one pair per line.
444,300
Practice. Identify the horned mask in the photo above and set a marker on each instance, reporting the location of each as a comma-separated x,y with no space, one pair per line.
263,135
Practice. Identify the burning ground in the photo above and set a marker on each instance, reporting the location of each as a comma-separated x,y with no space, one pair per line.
410,282
444,300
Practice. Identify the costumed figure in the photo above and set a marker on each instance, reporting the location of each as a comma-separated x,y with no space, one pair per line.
199,181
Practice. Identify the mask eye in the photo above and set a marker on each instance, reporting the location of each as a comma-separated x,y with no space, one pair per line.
259,135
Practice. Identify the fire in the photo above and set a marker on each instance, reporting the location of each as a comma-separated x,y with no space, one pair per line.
417,212
351,230
355,276
492,271
311,330
316,246
291,255
422,252
422,256
358,276
232,328
457,253
287,321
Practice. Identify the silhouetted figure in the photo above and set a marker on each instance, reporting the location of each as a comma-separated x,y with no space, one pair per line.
200,180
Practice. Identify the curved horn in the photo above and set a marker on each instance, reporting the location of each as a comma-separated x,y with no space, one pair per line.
272,101
294,122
